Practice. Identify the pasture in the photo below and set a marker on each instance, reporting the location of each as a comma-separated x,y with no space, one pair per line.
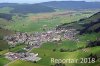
38,22
46,54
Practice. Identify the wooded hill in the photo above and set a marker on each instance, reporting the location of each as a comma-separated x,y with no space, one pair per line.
86,25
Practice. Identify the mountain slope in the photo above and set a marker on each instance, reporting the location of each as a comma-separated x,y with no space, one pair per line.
27,8
72,5
87,25
49,6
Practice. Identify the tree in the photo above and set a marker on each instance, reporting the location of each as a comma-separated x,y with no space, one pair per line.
54,50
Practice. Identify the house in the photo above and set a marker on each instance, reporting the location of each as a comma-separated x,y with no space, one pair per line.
22,56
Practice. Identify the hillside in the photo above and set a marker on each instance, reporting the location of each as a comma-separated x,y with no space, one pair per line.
26,8
87,25
47,6
37,22
3,43
72,5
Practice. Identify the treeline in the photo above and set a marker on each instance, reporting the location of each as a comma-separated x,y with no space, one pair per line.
77,5
89,28
93,43
6,16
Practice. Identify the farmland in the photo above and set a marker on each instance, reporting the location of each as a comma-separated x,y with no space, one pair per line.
36,22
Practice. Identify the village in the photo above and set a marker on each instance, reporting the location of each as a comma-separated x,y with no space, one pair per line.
35,40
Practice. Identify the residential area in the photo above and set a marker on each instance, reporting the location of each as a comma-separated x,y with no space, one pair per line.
35,40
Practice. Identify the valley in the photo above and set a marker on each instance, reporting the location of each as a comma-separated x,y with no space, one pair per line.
31,37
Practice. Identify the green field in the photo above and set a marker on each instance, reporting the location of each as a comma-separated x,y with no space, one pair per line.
29,24
46,54
3,61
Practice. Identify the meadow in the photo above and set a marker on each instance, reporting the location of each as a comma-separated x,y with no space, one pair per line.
3,61
47,53
38,22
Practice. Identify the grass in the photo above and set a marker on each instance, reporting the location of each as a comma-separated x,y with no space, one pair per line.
65,55
4,51
4,22
90,37
30,24
3,45
5,10
17,48
24,63
4,32
3,61
63,44
46,53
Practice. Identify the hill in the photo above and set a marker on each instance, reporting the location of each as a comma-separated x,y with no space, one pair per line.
72,5
26,8
86,25
47,6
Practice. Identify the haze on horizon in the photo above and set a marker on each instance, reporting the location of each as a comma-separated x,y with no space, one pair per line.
39,1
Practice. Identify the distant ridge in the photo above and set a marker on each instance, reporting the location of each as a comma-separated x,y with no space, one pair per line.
72,4
27,8
50,6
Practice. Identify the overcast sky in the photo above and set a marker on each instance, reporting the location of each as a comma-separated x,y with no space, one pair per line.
37,1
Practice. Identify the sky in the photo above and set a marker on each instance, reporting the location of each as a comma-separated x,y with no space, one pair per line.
38,1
